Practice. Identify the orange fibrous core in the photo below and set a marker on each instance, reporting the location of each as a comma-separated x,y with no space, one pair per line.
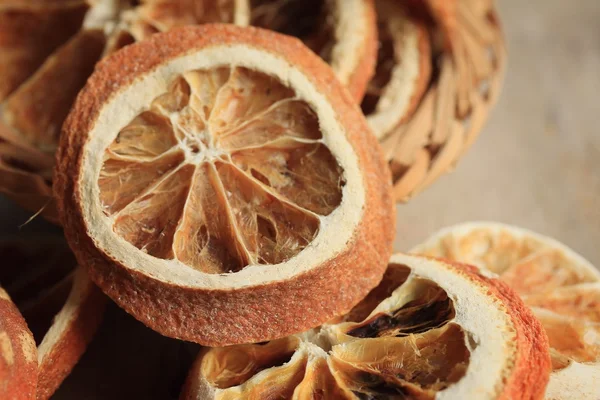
412,351
226,169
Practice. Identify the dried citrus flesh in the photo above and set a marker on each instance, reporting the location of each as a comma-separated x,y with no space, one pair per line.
61,305
18,366
561,287
403,68
341,32
225,171
430,330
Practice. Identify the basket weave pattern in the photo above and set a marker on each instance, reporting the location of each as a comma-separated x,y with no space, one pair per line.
468,73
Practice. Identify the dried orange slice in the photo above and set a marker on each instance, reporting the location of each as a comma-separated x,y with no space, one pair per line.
18,366
341,32
431,329
62,306
403,68
49,48
560,286
223,187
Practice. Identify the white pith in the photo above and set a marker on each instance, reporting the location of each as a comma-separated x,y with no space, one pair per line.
67,315
577,380
103,15
483,319
242,12
351,31
336,229
396,97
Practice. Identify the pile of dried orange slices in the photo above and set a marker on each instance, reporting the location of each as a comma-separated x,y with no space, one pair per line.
224,184
430,330
425,74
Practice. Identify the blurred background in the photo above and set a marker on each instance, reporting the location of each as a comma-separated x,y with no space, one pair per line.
536,165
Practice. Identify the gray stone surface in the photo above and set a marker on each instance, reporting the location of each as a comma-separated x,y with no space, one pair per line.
537,165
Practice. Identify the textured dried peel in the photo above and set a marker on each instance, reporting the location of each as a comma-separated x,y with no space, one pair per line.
231,174
561,287
415,342
342,32
61,305
18,364
49,50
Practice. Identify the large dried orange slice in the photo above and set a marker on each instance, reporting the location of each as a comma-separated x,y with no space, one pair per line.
342,32
49,48
430,330
223,187
18,364
61,305
561,287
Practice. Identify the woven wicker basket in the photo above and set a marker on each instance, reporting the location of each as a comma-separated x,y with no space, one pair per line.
468,73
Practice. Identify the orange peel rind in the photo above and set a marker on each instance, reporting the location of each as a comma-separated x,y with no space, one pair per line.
432,329
559,285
